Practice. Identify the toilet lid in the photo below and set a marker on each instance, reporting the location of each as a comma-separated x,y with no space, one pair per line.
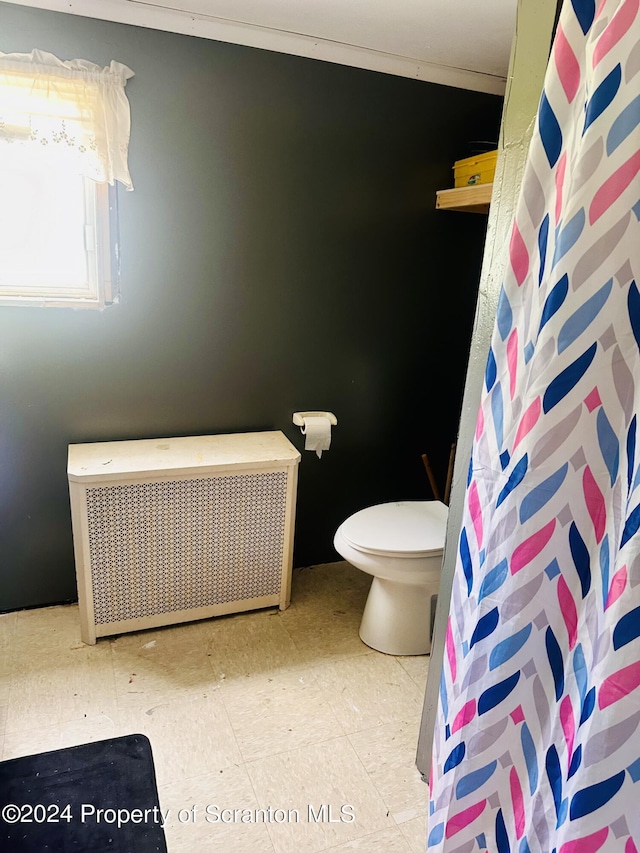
403,528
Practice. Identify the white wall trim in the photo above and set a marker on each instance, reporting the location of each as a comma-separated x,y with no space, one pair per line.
236,32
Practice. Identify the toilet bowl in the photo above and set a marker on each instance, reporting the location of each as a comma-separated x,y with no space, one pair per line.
401,545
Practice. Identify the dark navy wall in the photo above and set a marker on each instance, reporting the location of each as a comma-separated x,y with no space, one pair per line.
280,252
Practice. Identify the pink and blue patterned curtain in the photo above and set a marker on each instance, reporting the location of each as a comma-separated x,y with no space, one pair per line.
537,741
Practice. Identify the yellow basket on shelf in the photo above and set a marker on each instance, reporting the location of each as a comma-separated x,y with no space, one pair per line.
479,169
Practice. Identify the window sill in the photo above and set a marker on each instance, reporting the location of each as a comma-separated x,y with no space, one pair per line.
53,302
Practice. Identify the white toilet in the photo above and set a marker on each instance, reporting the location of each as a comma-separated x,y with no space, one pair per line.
401,545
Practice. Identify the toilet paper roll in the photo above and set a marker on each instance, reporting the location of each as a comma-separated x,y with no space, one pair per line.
317,432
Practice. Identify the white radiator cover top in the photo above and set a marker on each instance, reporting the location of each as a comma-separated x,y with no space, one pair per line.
172,530
113,460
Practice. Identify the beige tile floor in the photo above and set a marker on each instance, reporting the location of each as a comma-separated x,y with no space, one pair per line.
287,710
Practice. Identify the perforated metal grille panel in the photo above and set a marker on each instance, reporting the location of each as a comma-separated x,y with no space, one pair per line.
169,546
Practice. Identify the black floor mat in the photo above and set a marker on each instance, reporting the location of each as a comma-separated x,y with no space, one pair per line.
96,798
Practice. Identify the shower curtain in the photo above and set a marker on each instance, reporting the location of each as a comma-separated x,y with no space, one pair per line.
537,741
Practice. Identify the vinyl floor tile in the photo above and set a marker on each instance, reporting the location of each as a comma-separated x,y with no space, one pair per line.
329,789
288,710
321,635
73,733
7,649
60,685
5,690
152,667
326,610
248,644
206,814
331,583
369,690
189,737
388,754
415,833
417,668
387,841
3,723
7,642
291,708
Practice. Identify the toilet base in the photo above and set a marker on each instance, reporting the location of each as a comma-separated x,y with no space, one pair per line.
397,617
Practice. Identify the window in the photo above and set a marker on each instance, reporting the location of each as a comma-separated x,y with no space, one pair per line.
55,241
64,132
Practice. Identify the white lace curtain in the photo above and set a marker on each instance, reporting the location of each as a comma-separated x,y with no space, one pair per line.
73,110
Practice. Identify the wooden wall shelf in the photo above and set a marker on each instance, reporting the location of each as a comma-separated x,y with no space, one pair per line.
475,199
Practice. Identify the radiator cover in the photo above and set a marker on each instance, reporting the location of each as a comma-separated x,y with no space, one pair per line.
173,530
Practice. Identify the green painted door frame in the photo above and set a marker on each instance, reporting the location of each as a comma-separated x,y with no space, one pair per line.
535,24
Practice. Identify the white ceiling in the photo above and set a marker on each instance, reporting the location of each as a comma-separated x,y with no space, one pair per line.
463,43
